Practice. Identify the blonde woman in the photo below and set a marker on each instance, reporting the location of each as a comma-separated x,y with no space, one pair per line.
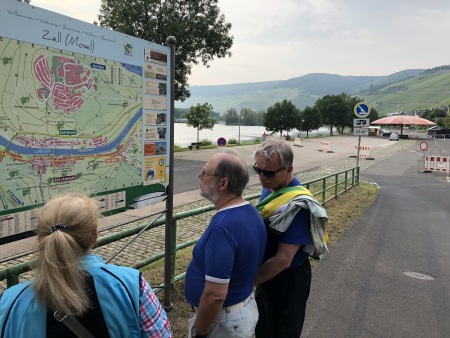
72,284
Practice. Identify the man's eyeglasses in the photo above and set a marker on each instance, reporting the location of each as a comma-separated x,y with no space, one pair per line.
203,174
267,173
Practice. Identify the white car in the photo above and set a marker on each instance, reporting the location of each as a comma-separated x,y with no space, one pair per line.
394,137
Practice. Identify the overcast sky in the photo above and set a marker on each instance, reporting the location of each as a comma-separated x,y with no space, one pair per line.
282,39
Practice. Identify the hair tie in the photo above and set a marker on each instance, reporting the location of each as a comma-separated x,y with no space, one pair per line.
59,227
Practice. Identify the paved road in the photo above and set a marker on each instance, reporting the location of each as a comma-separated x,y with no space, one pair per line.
309,155
362,288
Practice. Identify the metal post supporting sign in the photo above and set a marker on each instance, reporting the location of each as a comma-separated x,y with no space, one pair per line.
361,111
170,231
424,146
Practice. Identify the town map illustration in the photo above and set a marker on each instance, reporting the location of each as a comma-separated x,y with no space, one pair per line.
68,121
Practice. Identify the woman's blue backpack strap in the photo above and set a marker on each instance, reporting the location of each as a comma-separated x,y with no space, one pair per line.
118,289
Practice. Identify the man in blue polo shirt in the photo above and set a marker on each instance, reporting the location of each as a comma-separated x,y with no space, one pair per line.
219,279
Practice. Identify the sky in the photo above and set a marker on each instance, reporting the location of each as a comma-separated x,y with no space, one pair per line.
283,39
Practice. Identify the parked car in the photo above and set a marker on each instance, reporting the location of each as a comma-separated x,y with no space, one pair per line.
386,132
394,137
432,130
442,133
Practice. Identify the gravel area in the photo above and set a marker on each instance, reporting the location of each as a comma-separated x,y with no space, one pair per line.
376,155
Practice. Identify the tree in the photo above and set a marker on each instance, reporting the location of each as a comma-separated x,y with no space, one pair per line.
281,116
200,29
180,112
446,122
231,117
373,115
347,121
309,119
334,110
199,117
216,116
260,117
248,117
435,115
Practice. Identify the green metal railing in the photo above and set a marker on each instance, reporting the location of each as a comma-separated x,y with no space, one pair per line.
323,189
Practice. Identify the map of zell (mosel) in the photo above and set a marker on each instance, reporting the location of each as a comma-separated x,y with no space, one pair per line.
67,122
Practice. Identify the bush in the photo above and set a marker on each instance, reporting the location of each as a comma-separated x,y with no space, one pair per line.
177,147
206,142
232,141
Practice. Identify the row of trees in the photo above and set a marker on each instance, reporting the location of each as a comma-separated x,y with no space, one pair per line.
335,111
246,117
439,115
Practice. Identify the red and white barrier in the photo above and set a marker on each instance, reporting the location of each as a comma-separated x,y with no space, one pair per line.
437,163
364,151
325,146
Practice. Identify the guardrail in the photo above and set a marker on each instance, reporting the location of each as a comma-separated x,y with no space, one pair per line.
323,189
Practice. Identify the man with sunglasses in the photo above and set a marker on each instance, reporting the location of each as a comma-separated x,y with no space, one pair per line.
219,279
284,279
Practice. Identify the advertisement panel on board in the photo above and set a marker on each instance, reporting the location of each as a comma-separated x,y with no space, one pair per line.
82,108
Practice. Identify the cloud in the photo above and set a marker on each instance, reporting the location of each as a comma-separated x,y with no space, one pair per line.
281,39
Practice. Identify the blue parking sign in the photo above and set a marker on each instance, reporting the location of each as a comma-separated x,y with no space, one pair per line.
361,110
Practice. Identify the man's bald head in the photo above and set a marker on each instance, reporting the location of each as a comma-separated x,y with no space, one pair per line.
233,168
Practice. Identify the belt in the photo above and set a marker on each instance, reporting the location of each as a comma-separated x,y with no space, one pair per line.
231,308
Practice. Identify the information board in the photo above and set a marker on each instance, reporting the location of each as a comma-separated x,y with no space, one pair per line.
82,108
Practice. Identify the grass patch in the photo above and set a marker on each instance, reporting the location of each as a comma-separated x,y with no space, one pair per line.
177,148
206,142
342,211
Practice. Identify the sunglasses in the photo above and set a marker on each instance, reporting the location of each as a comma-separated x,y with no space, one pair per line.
267,173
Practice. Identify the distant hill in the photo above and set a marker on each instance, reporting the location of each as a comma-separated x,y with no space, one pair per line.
302,91
429,88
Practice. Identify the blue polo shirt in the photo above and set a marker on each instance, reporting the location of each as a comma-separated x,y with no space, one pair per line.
297,233
230,251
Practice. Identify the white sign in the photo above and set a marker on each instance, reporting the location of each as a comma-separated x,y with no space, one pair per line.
361,131
423,146
361,110
361,123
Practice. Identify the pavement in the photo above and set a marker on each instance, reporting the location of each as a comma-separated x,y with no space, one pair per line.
388,275
308,155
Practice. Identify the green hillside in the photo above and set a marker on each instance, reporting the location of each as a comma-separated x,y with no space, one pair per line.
407,90
429,89
302,91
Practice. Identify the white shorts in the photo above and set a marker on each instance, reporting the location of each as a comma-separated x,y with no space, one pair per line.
239,323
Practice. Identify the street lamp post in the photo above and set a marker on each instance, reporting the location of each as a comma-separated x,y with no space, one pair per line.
239,134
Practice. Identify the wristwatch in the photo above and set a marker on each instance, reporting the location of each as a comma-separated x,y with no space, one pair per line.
194,333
